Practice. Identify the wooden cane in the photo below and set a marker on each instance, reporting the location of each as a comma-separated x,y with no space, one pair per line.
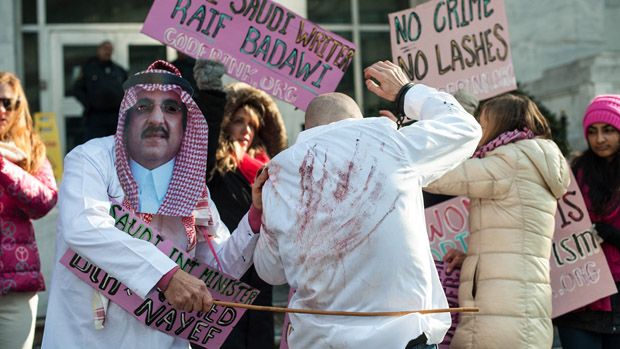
344,313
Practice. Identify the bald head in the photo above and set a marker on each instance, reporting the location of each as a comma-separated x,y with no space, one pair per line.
331,107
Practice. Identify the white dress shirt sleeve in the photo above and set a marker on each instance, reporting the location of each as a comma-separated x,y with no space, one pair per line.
88,228
234,251
267,261
444,137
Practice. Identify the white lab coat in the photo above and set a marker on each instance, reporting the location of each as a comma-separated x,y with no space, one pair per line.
85,226
344,223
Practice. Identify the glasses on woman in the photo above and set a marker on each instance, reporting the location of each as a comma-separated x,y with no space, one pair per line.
9,104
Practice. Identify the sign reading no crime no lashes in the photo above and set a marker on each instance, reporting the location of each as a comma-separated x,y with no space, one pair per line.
455,44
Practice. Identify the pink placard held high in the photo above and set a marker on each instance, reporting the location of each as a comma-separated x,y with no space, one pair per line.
261,43
452,45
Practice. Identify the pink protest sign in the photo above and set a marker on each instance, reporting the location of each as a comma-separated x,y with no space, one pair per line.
261,43
452,45
447,226
579,271
208,329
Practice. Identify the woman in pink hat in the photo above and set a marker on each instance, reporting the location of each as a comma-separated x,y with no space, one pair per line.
597,326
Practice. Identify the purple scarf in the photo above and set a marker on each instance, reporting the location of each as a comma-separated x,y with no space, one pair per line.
503,139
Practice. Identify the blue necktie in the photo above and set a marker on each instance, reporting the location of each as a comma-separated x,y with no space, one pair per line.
149,203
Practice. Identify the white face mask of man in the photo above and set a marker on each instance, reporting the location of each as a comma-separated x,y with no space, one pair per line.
155,129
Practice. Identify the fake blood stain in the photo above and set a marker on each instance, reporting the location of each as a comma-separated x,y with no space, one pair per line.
348,214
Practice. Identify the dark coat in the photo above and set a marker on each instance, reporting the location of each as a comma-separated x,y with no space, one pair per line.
100,90
232,195
186,67
211,104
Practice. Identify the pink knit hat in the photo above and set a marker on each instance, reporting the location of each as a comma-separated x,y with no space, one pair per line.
603,108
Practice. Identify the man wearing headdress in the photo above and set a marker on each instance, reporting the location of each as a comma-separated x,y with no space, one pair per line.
154,166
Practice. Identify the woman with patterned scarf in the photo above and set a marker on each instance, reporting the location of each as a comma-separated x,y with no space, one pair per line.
513,181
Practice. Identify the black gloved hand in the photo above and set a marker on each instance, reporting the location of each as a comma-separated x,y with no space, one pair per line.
208,74
610,234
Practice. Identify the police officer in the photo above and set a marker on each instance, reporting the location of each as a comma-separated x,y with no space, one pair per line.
99,89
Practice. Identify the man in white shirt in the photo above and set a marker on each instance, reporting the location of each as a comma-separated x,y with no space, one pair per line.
343,218
155,167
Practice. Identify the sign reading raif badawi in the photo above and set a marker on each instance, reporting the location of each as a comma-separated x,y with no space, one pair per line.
260,42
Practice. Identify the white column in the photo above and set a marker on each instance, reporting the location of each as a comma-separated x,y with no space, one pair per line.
9,36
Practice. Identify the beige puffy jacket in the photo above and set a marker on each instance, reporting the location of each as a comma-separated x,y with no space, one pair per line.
513,192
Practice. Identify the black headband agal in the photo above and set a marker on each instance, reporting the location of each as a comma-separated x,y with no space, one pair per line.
158,78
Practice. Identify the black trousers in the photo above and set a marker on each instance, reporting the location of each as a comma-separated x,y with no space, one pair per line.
419,343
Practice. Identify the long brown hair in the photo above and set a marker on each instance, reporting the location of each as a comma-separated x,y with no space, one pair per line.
602,177
510,112
20,130
269,136
226,159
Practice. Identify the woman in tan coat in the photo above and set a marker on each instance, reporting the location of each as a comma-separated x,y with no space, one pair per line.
513,181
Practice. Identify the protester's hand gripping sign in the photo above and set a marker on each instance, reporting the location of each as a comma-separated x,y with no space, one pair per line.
580,274
208,329
260,42
452,45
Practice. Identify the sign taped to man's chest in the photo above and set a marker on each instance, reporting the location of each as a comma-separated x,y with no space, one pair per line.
208,329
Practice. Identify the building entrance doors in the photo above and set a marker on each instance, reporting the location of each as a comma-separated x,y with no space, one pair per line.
69,46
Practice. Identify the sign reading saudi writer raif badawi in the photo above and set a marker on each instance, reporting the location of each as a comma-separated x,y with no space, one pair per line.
260,42
455,44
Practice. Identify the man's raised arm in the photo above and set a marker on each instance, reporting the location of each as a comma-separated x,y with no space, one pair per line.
446,134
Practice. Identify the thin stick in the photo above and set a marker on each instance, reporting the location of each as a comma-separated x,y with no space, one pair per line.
343,313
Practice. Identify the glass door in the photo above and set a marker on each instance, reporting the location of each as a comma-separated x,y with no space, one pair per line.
69,48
